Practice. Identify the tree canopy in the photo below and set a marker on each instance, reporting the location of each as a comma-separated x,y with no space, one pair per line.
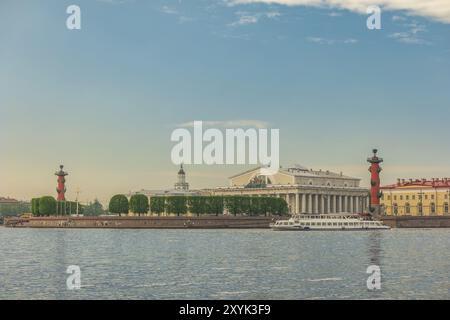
118,204
139,204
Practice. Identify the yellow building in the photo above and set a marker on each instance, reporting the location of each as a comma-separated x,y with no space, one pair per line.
417,197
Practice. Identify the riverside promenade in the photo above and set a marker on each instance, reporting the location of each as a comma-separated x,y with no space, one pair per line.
144,222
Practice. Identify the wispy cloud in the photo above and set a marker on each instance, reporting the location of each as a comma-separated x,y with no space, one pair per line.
230,124
411,33
326,41
173,11
438,10
335,14
398,18
245,18
169,10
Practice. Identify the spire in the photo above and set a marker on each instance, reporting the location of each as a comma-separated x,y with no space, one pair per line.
181,184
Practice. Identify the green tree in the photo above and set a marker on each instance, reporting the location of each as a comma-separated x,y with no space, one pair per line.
14,209
47,206
35,206
118,204
93,209
245,205
255,206
177,205
158,204
215,205
234,204
197,205
280,207
139,204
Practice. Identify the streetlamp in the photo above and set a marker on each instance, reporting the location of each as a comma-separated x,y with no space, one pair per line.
78,193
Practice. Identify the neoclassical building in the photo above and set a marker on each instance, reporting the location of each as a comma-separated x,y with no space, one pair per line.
305,190
417,197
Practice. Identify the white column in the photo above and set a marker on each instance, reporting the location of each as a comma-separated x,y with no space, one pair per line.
322,204
345,205
297,202
303,203
310,207
358,199
328,204
316,203
339,204
351,204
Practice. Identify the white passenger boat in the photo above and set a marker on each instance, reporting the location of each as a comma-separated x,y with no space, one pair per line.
339,221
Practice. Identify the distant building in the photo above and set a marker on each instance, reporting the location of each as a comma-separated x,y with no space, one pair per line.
417,197
8,201
305,190
181,188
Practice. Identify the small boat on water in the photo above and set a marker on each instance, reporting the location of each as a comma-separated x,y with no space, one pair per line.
337,221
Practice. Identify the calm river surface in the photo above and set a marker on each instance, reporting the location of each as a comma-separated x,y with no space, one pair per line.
224,264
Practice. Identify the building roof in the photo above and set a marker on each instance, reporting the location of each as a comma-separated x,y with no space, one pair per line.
419,184
301,171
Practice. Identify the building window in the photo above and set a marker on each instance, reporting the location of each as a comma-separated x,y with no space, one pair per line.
414,197
446,207
389,197
395,197
433,208
407,208
432,197
420,208
395,209
426,197
407,197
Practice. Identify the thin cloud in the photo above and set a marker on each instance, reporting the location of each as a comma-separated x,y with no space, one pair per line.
326,41
412,34
168,10
174,12
245,18
438,10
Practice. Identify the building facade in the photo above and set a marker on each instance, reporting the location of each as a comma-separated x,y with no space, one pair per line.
417,197
305,190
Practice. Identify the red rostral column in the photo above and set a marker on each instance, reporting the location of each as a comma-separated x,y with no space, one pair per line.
61,189
375,170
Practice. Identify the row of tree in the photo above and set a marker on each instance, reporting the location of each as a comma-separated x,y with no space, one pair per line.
14,209
198,205
48,206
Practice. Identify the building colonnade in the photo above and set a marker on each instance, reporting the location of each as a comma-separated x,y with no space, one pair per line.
324,203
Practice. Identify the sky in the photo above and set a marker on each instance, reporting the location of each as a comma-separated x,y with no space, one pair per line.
104,100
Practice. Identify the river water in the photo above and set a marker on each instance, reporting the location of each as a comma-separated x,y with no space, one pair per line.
224,264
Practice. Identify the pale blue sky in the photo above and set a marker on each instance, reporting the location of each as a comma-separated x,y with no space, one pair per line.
103,100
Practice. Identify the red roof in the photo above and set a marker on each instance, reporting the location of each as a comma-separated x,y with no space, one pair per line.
420,183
